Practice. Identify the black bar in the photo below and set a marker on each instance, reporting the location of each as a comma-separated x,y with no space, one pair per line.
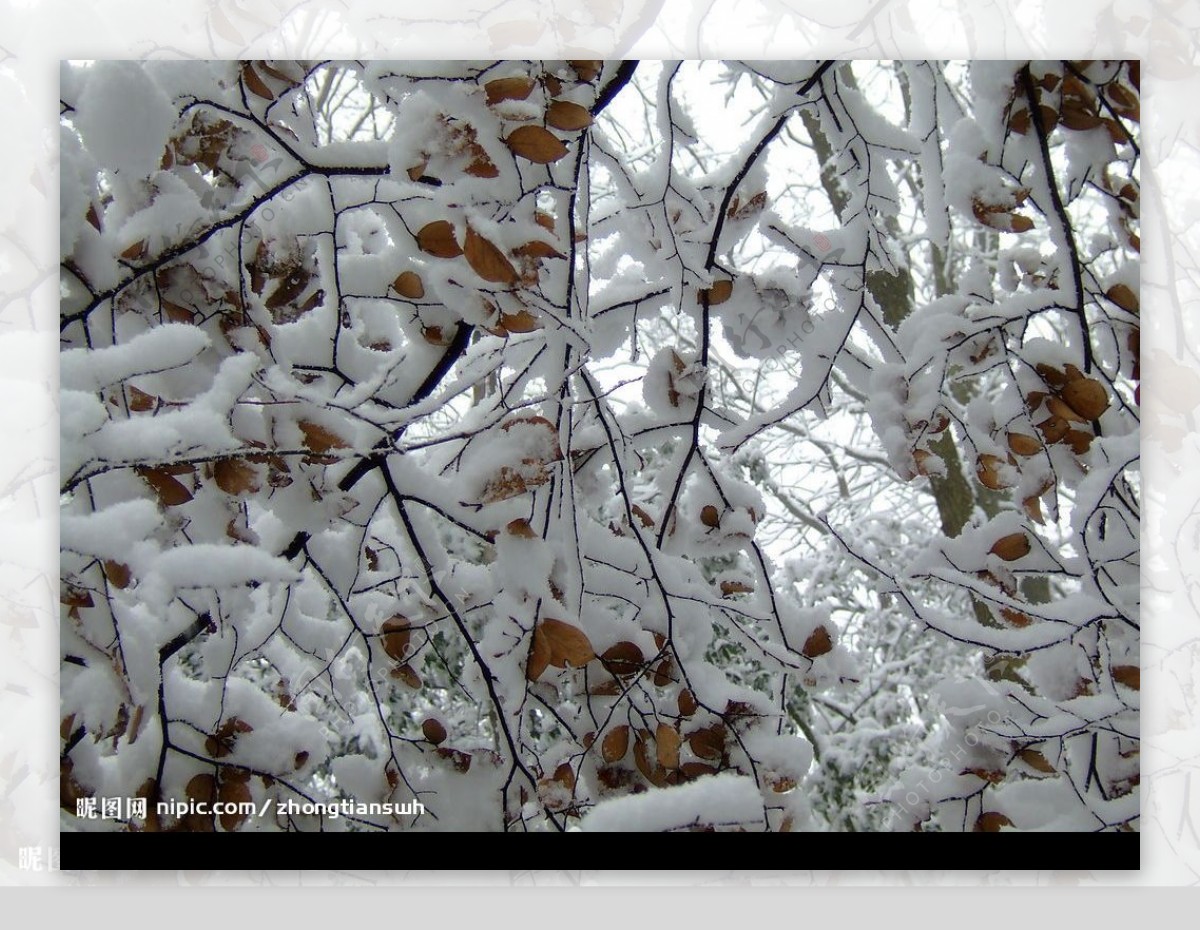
850,851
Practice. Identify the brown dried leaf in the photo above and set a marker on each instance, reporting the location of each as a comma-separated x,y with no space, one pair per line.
437,239
1051,375
255,83
487,261
586,69
710,516
719,292
1078,114
235,476
1128,675
921,458
1061,409
539,656
135,725
408,675
667,740
177,314
1079,440
408,284
568,644
1001,217
708,742
202,789
140,401
1086,396
687,703
287,289
276,72
1012,547
1049,117
169,491
751,207
623,659
233,726
433,731
509,88
645,518
520,322
565,776
729,588
395,636
536,144
1024,444
991,822
436,336
520,528
613,777
481,166
320,439
569,117
117,573
991,776
693,770
233,791
536,248
1053,429
818,643
655,774
1035,760
218,746
505,485
1015,617
615,744
460,760
75,597
1124,100
988,471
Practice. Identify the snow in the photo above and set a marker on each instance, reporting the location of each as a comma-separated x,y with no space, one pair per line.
566,473
202,424
77,188
214,566
168,346
124,118
110,533
722,800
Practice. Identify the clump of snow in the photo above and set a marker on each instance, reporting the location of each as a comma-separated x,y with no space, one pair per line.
163,347
111,532
77,188
124,118
725,799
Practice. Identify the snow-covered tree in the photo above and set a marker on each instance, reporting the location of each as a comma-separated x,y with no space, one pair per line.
596,444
